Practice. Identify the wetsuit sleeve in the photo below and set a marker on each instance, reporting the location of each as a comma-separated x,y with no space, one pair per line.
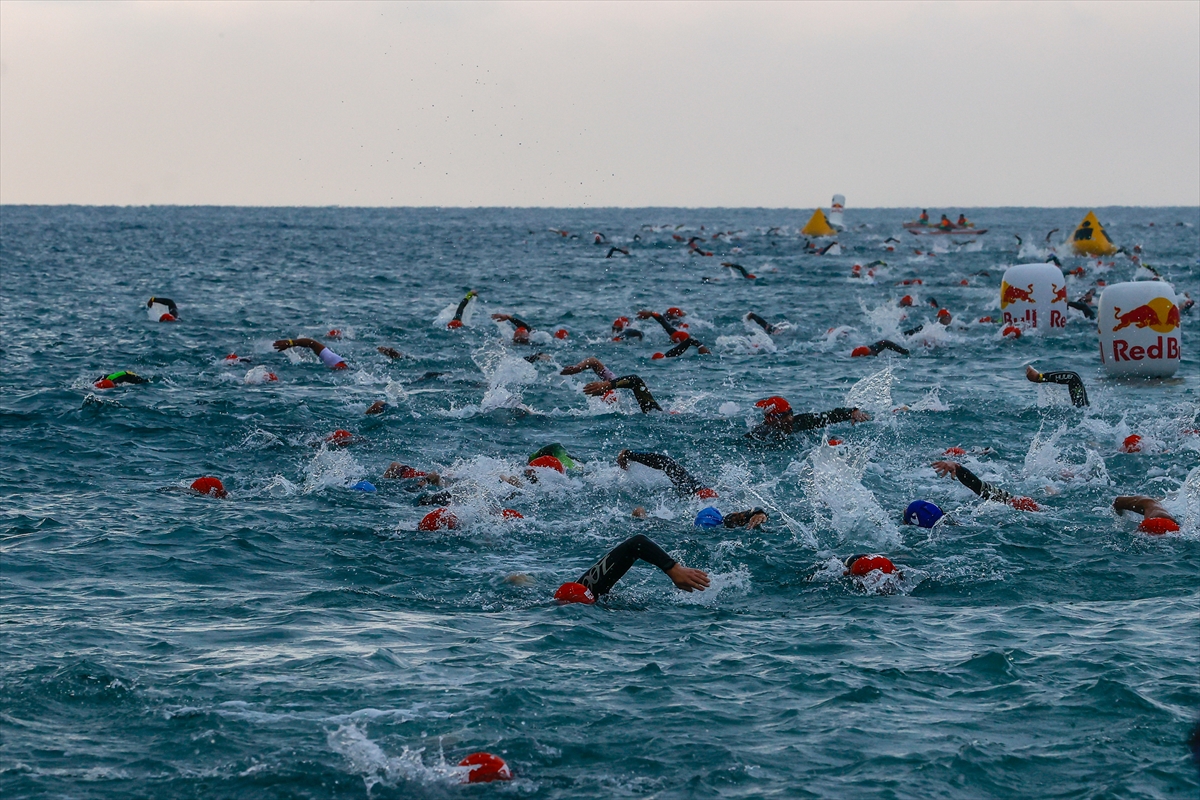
679,476
666,325
917,329
462,306
681,348
1073,382
886,344
985,490
602,575
766,326
127,377
520,323
168,302
807,422
638,387
1084,307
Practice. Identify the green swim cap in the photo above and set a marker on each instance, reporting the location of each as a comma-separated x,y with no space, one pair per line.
559,452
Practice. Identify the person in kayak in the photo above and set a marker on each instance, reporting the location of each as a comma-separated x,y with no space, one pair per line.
945,224
1071,380
1155,518
599,579
327,356
985,490
683,482
924,218
780,422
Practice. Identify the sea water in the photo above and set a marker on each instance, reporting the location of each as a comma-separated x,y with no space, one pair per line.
301,639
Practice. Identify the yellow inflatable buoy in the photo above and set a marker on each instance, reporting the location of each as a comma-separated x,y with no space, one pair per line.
818,225
1090,238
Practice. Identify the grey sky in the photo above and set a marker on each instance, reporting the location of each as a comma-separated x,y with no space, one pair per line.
622,104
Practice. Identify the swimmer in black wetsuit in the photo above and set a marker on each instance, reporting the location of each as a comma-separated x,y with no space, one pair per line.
166,301
745,274
1084,304
622,329
682,339
633,383
603,575
762,323
943,318
623,251
462,306
779,421
985,490
683,482
124,376
521,334
1071,379
684,343
877,348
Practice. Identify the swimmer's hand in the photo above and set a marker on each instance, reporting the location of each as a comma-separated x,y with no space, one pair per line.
1032,374
623,459
597,388
283,344
390,352
501,317
857,416
944,468
688,579
646,313
756,520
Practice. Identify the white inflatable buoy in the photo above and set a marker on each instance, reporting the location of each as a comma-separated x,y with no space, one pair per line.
835,211
1139,329
156,312
1034,296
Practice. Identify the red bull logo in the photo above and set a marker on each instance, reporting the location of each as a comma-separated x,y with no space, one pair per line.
1160,315
1010,294
1060,293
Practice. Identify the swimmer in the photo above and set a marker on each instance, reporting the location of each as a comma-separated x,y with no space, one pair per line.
521,334
683,482
390,352
623,329
985,490
762,323
1155,518
684,342
559,452
172,309
1071,380
779,421
877,348
114,378
663,319
633,383
327,356
462,306
862,564
745,274
378,407
711,518
599,579
208,485
943,317
623,251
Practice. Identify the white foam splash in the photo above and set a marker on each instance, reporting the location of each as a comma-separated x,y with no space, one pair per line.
331,468
872,393
368,759
832,480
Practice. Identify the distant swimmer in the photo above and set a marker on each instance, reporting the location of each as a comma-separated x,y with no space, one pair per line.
762,323
1084,304
523,329
780,422
600,578
683,342
1071,380
208,485
614,250
462,306
599,238
683,482
985,490
712,518
943,317
623,329
745,274
390,352
172,309
877,348
1155,519
378,407
114,378
327,356
633,383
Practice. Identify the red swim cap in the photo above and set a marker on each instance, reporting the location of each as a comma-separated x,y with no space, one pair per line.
548,462
954,451
834,442
512,513
105,383
1132,444
774,405
657,356
561,333
705,494
407,472
1157,526
906,301
438,519
574,593
619,323
675,311
454,323
168,317
339,438
231,357
209,485
679,336
866,564
943,313
271,376
861,350
340,365
334,334
1024,504
985,319
964,282
486,768
1011,330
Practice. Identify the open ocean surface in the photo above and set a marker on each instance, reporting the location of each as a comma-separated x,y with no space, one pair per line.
302,640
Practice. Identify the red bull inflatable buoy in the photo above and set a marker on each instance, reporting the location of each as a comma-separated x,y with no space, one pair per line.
1139,329
1034,296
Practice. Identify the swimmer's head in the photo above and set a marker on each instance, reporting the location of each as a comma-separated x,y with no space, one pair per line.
709,518
860,565
861,350
922,513
572,592
511,513
706,493
363,486
674,312
1157,526
906,301
521,336
548,462
104,383
774,406
944,316
1132,444
454,324
561,333
1012,331
620,323
438,519
339,438
657,356
679,336
210,486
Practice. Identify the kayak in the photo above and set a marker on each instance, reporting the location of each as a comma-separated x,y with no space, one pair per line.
917,229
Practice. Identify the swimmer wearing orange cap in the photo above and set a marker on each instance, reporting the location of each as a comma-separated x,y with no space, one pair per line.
633,383
877,348
124,376
682,339
1155,519
623,329
523,328
985,490
599,579
683,482
779,421
944,318
327,356
458,313
172,309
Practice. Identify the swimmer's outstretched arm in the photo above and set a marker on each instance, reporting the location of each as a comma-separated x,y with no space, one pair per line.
1081,306
166,301
604,574
647,314
635,384
1148,507
745,519
682,347
592,363
680,478
1071,379
515,320
311,344
462,305
808,422
766,326
968,479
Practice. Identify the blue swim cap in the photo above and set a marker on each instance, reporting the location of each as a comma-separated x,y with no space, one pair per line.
709,518
922,513
363,486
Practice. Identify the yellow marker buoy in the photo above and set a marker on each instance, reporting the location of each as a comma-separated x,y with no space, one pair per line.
1090,238
818,225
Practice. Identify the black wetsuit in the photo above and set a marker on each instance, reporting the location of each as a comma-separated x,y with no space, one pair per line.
739,268
123,377
766,326
462,306
668,327
740,518
985,490
680,478
602,575
1073,383
1079,305
636,385
682,347
886,344
627,333
789,423
170,304
520,323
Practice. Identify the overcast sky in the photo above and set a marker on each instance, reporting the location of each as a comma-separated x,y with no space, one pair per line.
604,104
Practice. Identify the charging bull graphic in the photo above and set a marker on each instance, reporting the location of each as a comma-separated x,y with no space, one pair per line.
1139,329
1160,314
